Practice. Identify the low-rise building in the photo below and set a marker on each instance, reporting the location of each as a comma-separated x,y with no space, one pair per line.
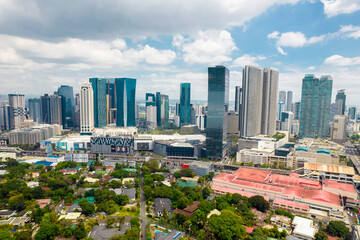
303,228
281,221
201,168
160,204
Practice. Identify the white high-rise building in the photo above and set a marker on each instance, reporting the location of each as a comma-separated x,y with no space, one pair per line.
269,99
287,119
86,108
17,110
200,121
252,85
151,117
338,129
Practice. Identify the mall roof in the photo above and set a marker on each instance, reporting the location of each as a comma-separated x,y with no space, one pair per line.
341,186
232,191
291,203
329,168
321,196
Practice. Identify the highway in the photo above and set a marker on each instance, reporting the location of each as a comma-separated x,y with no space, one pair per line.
353,154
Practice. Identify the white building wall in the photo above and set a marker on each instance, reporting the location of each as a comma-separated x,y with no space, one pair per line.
86,108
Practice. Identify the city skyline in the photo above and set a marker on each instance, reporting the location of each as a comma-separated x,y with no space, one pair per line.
323,39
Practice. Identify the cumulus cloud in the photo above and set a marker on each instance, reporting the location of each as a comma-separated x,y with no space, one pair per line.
293,39
210,47
246,59
338,60
335,7
123,18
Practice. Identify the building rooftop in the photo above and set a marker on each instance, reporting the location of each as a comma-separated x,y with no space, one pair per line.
321,196
329,168
303,227
291,203
232,191
162,203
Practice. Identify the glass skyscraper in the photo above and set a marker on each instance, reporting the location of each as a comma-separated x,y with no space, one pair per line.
34,109
340,102
125,101
238,99
158,108
185,109
315,106
67,105
218,107
99,86
149,99
45,109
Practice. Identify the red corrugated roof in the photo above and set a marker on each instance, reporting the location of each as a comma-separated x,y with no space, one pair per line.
291,203
294,191
321,196
282,180
341,186
251,174
232,191
269,187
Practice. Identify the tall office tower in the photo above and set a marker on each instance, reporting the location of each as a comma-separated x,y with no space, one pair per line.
125,102
5,118
55,109
158,108
280,108
177,115
295,128
340,102
17,110
151,119
297,110
286,121
201,121
45,109
67,96
252,87
99,86
289,101
185,109
315,106
238,99
352,113
86,109
77,111
338,129
110,100
282,97
269,100
164,108
150,99
34,109
218,107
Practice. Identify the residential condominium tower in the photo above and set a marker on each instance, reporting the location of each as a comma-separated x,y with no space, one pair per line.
86,109
315,106
185,108
269,100
34,109
289,101
125,102
340,102
238,99
252,86
55,109
17,110
218,107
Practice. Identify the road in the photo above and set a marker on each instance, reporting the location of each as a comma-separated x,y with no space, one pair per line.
59,207
143,219
353,154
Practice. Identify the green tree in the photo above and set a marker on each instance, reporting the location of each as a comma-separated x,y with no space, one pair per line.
183,202
339,229
121,199
47,231
80,232
206,192
115,184
153,165
86,207
110,221
321,236
227,226
259,203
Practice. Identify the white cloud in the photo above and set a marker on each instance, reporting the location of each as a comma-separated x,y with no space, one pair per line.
293,39
210,47
335,7
348,31
311,68
337,60
93,19
246,59
99,54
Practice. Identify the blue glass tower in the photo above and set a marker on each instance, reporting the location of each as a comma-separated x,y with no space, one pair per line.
125,101
158,108
149,99
67,105
315,106
218,107
99,86
185,109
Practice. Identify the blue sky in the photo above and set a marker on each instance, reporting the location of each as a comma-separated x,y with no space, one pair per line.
162,43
